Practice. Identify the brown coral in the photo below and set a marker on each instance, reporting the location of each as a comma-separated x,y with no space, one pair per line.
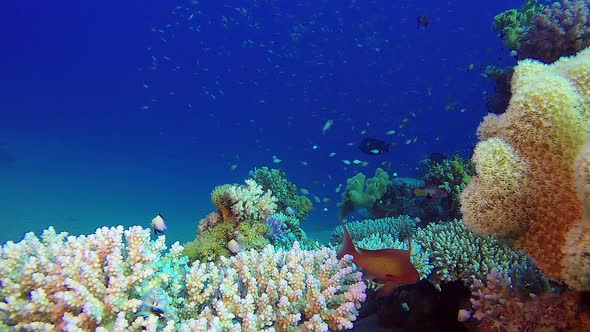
546,124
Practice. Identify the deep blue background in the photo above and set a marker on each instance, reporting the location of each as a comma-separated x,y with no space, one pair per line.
113,111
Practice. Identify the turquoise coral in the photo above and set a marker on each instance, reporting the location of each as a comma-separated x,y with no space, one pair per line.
459,254
442,252
403,227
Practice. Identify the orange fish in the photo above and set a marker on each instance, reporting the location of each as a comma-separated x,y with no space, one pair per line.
389,266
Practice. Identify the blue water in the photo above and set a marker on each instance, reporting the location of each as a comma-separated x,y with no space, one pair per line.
114,111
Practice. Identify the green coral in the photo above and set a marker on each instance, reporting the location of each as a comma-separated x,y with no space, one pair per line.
512,24
250,235
452,175
285,191
363,194
212,243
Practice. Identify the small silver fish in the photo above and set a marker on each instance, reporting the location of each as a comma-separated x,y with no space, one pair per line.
159,224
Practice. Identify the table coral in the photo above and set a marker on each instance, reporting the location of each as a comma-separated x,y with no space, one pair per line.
401,227
524,190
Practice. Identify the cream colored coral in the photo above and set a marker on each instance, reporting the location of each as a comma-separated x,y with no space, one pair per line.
238,202
251,201
69,283
282,290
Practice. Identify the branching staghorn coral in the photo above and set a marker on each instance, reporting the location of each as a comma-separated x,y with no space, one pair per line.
401,227
120,280
238,202
68,283
459,254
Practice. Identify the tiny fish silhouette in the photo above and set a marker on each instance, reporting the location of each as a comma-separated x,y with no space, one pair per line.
423,22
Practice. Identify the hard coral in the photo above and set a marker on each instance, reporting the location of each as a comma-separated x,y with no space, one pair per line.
238,202
451,174
285,191
458,254
85,283
534,145
120,280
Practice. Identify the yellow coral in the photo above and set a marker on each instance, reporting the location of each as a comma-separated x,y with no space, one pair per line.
545,126
576,263
500,177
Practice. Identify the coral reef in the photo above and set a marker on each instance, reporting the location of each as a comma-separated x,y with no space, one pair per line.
452,175
240,215
524,190
212,243
311,290
239,203
285,191
363,194
562,29
419,258
67,283
402,227
500,306
458,254
277,228
513,24
441,252
496,297
120,280
400,199
279,233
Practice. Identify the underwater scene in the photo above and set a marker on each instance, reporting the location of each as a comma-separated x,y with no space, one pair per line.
295,165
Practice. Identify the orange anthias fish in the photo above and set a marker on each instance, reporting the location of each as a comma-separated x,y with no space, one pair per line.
390,266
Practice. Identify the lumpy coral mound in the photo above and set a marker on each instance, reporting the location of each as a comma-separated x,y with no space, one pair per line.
525,188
